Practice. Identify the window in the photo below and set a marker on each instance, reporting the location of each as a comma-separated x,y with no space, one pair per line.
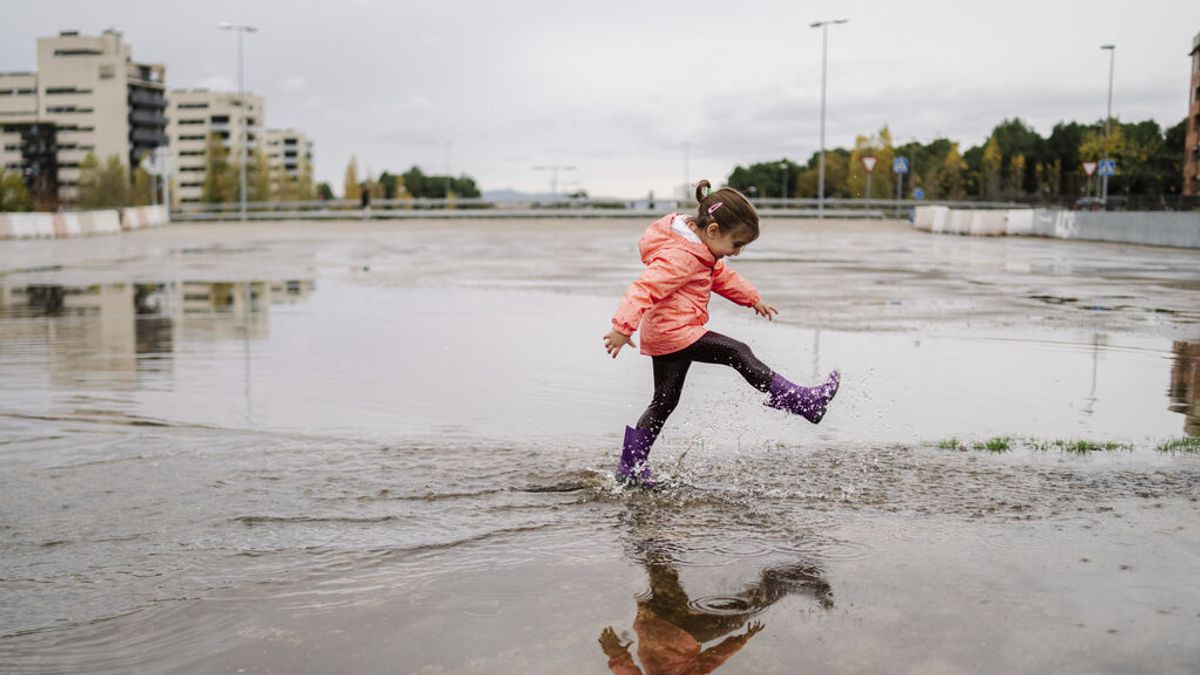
191,169
219,119
51,91
67,109
77,52
191,122
107,71
191,153
191,138
192,106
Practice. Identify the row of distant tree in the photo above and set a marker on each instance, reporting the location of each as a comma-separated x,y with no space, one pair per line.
413,183
1014,163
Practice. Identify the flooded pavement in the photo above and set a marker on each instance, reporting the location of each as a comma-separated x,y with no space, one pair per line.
387,447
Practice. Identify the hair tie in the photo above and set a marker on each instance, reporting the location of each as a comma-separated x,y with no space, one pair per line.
714,207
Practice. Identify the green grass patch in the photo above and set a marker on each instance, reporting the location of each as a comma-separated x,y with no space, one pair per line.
1083,446
951,444
997,444
1185,444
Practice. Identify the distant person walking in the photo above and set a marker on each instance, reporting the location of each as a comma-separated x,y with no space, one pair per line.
669,304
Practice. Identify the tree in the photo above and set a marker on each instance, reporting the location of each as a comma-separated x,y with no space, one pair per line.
1016,176
991,162
324,191
14,196
88,184
304,182
952,184
350,187
143,188
103,187
258,177
879,147
220,177
773,179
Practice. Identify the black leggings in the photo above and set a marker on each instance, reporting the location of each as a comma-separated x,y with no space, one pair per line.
670,370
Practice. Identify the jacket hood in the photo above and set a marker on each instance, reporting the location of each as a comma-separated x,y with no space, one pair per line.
660,237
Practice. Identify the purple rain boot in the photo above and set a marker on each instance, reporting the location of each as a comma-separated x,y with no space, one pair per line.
808,402
632,467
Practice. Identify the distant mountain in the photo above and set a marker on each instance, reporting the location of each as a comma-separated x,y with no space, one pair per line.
511,195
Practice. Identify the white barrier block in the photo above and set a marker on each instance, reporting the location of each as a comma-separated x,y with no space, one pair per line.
106,222
941,219
960,222
987,222
1064,225
1019,222
923,218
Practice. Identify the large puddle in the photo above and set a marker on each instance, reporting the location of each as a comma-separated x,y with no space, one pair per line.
373,447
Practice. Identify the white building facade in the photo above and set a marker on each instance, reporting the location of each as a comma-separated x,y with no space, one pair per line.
195,114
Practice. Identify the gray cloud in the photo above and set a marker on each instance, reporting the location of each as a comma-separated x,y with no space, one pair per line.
617,88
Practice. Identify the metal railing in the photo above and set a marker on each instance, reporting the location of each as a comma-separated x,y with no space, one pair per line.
344,209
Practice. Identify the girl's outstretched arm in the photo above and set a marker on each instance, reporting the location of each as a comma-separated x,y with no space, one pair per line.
731,285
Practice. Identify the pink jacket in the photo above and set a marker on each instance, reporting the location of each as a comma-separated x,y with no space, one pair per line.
669,302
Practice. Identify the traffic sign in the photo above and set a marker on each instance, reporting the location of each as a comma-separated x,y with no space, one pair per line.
900,165
868,163
1108,167
1089,168
918,194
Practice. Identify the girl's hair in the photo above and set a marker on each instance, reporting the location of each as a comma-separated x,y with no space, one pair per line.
726,207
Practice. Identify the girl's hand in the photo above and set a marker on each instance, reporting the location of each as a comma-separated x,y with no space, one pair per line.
764,310
615,340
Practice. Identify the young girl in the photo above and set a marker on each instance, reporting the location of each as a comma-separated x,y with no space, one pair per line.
669,303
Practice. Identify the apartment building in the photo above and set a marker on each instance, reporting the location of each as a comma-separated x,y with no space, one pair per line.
28,145
289,152
1191,153
195,114
95,96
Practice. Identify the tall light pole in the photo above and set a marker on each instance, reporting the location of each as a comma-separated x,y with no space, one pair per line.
824,26
1112,56
241,31
687,174
783,183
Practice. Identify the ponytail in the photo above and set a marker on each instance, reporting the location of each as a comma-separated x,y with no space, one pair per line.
726,207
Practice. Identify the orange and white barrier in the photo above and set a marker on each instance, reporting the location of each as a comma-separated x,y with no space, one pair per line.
37,225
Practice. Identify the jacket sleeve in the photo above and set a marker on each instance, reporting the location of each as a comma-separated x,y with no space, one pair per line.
663,276
731,285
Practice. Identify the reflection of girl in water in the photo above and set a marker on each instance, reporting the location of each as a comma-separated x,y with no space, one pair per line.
671,631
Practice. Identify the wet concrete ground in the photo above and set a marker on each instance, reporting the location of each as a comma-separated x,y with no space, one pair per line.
385,447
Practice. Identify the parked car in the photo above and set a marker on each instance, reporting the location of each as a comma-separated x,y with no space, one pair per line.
1112,203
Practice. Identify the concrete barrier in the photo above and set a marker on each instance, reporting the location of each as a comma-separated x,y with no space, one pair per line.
941,219
959,222
1018,222
37,225
987,223
1151,228
138,217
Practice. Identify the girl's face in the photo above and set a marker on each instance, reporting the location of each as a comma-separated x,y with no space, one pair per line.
725,243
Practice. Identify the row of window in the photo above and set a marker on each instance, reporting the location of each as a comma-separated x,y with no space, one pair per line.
66,90
68,109
17,92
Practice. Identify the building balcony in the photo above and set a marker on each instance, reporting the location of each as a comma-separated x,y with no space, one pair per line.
144,98
147,118
148,137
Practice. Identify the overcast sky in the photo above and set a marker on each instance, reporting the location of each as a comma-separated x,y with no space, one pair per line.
496,88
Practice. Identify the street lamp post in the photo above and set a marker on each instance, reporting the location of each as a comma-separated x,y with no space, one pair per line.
824,26
783,183
1112,55
241,30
